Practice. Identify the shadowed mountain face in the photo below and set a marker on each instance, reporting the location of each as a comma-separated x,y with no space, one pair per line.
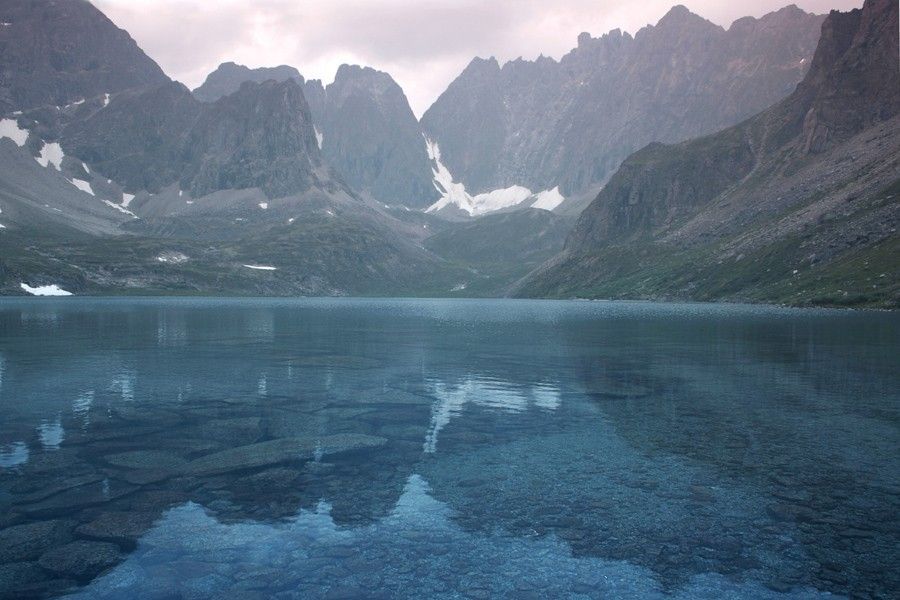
570,123
363,124
259,137
797,204
57,53
371,137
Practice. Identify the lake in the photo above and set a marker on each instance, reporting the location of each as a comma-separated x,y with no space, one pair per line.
341,448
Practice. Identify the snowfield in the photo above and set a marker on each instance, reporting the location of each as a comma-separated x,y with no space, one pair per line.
455,194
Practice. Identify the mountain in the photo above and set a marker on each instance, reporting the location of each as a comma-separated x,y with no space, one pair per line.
148,189
569,123
363,124
65,51
229,76
798,204
372,138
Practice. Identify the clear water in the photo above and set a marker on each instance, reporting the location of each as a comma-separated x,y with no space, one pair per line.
496,449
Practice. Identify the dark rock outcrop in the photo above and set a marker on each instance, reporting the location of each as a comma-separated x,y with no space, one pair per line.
372,138
261,136
60,52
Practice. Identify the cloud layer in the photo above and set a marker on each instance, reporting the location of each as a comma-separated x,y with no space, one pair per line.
423,44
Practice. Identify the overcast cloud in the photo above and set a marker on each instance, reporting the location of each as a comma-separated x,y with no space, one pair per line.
423,44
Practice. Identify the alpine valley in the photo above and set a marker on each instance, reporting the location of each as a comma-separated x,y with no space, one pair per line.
687,161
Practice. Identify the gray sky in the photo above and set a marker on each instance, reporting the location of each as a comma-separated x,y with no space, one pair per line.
423,44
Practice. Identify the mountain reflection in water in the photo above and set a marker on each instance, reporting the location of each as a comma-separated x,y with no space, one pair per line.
366,448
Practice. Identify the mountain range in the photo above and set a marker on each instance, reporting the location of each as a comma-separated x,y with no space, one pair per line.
116,179
798,204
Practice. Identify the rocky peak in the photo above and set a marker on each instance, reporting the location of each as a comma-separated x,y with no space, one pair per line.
261,136
354,78
680,18
372,138
229,76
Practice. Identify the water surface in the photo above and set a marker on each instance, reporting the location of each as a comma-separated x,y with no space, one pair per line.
437,448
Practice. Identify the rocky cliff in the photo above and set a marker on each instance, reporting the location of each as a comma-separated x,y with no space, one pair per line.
571,122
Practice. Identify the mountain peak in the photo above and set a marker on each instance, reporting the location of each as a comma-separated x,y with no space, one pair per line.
229,76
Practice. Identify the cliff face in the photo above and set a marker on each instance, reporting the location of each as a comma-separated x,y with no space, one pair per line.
57,53
261,136
811,180
372,138
570,123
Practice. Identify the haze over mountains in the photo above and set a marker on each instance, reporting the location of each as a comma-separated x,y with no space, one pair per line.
115,178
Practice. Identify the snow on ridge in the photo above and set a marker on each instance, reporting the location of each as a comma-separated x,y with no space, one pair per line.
45,290
52,154
261,267
9,128
455,194
549,199
119,207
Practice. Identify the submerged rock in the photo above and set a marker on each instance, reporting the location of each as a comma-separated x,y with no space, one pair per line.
29,541
146,459
81,560
278,451
28,580
123,528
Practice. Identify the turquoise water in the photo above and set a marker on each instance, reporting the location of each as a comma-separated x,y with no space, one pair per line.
446,448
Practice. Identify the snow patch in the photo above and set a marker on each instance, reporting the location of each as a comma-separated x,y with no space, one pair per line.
455,194
126,199
180,193
2,226
105,100
549,199
291,220
52,154
45,290
175,258
319,137
9,128
264,205
329,212
84,186
261,267
119,208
